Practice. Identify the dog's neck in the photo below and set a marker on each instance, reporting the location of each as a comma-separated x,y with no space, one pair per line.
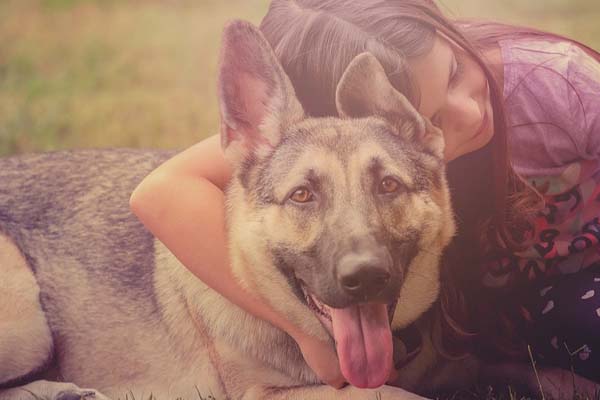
202,310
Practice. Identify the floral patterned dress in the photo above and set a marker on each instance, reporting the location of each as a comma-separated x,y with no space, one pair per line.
552,97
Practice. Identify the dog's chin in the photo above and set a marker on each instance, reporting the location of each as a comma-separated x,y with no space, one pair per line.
362,336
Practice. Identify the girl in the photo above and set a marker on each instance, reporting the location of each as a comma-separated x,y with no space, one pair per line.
519,110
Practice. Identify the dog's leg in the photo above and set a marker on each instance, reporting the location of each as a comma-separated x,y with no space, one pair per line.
323,392
46,390
25,339
556,383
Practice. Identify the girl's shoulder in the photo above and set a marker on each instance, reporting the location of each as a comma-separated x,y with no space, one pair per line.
546,62
552,103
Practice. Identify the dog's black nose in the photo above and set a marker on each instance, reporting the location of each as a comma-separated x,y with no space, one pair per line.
363,277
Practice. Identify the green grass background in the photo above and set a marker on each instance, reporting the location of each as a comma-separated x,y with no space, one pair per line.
105,73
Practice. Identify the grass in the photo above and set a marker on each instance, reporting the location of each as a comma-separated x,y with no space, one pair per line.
104,73
110,73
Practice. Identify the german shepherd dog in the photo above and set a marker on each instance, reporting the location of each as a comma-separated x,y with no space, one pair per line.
338,223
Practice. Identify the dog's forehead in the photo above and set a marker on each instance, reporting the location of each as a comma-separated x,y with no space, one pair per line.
349,129
339,138
326,147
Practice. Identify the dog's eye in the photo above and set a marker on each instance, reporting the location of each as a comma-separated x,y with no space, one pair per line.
388,185
302,195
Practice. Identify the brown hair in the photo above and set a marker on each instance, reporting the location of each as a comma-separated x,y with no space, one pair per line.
316,39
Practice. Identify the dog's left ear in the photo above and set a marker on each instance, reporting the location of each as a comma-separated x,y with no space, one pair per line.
257,100
365,90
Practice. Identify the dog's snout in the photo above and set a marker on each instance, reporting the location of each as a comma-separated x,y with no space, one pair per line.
363,276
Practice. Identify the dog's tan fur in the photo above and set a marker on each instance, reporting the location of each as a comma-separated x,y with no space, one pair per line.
21,316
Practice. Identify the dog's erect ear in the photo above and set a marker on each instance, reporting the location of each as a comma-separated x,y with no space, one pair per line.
257,100
365,90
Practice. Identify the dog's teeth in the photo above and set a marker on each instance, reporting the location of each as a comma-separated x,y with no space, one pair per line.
315,305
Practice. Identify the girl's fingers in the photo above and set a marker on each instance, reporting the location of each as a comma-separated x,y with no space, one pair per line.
321,358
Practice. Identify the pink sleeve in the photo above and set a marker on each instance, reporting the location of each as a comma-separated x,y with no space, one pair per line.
584,101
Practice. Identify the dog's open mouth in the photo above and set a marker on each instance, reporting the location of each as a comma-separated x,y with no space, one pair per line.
363,339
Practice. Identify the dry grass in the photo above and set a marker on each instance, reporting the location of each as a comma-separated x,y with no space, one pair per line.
573,18
99,73
110,73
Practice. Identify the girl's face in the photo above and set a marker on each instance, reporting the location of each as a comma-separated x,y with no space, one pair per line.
455,96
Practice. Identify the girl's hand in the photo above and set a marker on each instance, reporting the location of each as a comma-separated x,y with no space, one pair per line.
321,358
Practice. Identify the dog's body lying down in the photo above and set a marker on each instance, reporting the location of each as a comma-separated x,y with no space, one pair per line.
337,222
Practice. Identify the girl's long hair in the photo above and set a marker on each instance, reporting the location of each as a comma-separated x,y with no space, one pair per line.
316,39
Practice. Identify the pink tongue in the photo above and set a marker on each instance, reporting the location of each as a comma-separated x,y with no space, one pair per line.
364,343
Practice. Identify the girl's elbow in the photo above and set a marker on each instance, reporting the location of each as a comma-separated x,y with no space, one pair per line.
144,197
136,201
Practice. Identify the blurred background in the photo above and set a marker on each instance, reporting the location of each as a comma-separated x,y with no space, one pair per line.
141,73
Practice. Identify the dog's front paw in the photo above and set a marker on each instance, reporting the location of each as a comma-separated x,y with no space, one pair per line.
50,390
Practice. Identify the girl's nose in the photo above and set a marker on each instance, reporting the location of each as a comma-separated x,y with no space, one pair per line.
462,114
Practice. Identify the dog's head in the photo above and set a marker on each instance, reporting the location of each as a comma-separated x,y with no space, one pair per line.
334,218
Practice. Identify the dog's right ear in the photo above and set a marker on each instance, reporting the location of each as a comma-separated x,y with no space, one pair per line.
257,100
365,90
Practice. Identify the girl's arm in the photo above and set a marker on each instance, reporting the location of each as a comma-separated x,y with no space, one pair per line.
182,204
